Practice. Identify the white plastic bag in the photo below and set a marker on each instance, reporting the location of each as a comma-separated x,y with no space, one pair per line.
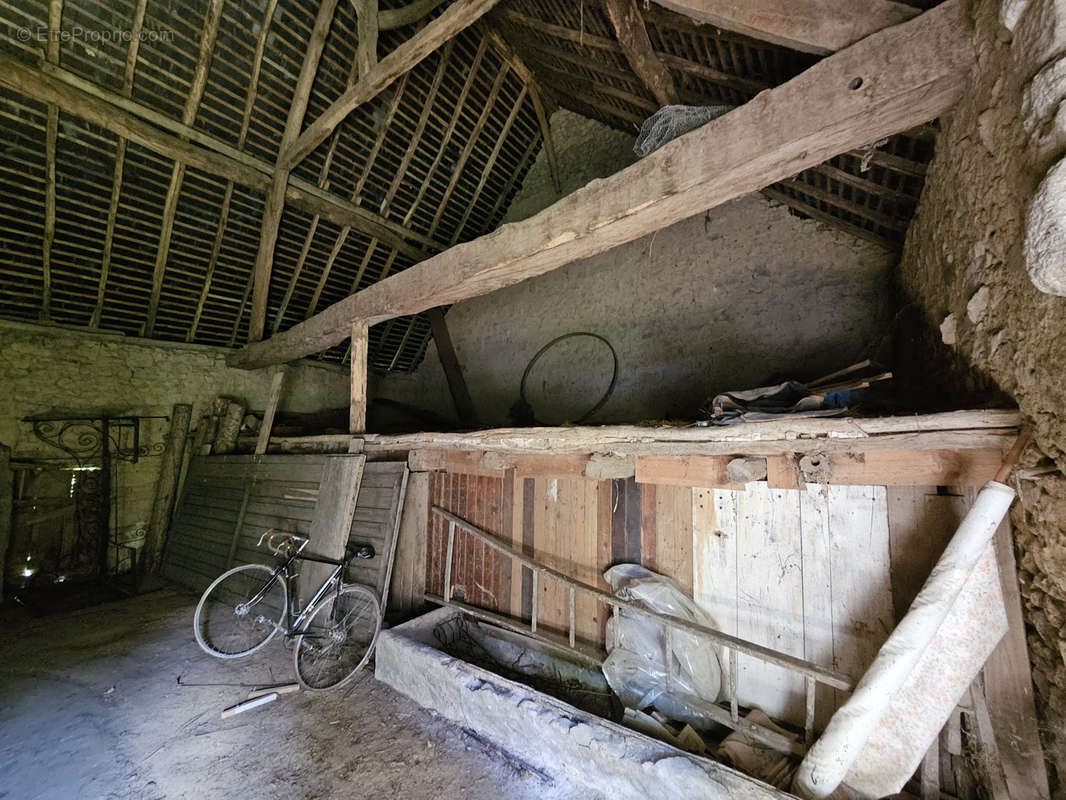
678,673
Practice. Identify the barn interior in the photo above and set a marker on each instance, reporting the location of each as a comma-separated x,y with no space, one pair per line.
620,398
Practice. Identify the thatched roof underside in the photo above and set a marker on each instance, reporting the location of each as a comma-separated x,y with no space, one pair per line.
103,233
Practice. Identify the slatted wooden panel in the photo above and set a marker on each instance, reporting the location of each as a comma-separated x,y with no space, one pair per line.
376,522
397,156
228,502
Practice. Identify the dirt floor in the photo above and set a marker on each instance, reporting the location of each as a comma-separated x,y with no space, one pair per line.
117,701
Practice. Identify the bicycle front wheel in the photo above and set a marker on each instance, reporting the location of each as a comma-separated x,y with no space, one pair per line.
241,611
337,638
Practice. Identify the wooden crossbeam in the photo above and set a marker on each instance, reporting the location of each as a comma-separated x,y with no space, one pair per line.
460,15
227,199
633,37
811,26
177,174
406,15
146,127
275,201
884,84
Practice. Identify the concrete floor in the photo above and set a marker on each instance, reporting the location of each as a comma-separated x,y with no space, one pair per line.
91,707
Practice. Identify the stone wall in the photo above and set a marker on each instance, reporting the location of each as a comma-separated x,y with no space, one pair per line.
49,371
740,296
966,262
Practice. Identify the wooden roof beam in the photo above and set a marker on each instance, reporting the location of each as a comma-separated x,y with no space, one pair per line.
811,26
459,16
131,120
366,55
886,83
633,37
275,200
51,54
407,15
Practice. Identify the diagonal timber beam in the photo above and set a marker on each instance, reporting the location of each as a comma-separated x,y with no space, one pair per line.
887,83
275,199
633,37
459,16
812,26
139,124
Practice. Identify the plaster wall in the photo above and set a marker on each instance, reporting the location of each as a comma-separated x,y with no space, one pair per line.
965,264
738,297
48,371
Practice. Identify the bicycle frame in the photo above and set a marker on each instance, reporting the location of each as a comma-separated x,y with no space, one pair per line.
293,619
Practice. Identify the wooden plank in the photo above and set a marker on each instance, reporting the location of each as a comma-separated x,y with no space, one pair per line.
704,471
493,464
332,521
459,15
782,472
801,123
819,625
1008,687
633,37
673,524
358,369
277,384
811,26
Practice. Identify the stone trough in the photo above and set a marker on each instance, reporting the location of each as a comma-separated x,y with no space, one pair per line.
550,735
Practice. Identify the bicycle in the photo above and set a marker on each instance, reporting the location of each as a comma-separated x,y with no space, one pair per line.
334,633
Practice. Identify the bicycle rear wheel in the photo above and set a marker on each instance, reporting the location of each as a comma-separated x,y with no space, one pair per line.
337,638
241,611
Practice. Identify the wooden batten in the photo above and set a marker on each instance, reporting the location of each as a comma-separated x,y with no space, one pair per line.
860,94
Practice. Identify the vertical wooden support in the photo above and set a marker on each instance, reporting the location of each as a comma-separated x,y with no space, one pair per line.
164,494
277,384
448,562
7,499
464,406
358,364
811,689
734,713
407,590
51,54
546,135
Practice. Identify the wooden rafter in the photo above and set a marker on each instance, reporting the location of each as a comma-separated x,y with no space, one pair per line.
811,26
460,15
275,200
345,231
536,94
366,56
633,37
131,120
880,86
51,54
449,132
208,36
120,162
246,118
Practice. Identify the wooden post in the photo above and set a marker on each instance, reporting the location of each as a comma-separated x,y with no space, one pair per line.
276,386
360,344
164,493
367,33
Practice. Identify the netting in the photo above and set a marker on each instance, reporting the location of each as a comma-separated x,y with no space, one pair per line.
669,122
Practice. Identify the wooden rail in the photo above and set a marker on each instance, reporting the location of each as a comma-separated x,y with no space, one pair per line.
813,673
